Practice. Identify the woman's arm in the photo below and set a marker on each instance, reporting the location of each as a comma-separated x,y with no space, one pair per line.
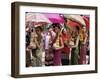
37,44
76,43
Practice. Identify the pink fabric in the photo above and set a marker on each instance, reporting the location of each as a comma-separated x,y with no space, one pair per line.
82,59
57,58
55,18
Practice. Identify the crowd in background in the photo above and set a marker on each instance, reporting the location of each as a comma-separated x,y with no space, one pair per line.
56,46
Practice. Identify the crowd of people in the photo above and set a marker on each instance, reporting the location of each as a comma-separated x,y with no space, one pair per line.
56,46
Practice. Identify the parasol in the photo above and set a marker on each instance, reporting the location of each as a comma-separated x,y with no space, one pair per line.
36,17
54,18
86,19
76,18
72,24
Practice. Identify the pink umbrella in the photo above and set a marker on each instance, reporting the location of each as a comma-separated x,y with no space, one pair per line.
54,18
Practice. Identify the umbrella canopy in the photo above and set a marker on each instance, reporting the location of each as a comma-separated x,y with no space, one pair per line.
54,18
76,18
37,17
72,24
86,19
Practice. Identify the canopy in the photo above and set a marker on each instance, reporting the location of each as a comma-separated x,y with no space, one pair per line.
76,18
86,19
54,17
72,24
36,17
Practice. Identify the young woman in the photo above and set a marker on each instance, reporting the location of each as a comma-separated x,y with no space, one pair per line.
66,50
74,44
33,46
83,46
57,45
48,48
40,46
28,36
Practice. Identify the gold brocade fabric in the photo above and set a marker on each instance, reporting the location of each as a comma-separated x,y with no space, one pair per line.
57,43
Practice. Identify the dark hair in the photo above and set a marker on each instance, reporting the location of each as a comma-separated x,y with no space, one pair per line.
77,28
31,30
56,25
39,27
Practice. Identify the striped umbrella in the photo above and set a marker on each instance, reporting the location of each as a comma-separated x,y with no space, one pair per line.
76,18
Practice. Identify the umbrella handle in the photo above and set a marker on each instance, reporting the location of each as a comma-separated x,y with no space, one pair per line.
61,30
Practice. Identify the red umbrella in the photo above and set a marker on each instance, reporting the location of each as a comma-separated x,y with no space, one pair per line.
86,19
73,24
76,18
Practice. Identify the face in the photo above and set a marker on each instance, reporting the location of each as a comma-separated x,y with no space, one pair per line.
84,29
38,31
57,29
64,31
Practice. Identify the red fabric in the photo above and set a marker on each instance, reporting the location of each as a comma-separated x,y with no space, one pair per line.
65,37
86,19
66,50
73,24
